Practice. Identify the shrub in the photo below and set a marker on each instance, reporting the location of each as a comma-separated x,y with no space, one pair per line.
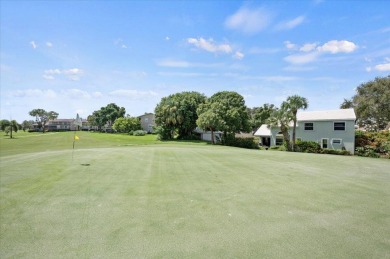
139,133
193,136
163,133
307,147
249,143
372,144
335,152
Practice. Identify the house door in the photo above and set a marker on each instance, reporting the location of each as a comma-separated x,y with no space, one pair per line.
266,141
324,143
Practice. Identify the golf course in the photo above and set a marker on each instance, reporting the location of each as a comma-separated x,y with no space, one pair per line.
121,196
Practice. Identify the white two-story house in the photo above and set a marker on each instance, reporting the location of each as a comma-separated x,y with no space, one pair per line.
333,129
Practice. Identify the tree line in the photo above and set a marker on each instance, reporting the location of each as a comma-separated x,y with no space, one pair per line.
177,115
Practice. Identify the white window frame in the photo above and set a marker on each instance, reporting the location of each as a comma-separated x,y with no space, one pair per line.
276,141
334,125
327,143
338,139
304,126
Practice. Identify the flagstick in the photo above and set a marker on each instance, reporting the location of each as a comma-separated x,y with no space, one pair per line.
74,140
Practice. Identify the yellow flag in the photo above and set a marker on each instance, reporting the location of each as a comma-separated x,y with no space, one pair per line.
76,137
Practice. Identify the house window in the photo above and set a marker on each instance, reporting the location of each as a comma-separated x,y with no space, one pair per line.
309,126
279,141
339,126
324,143
336,141
146,119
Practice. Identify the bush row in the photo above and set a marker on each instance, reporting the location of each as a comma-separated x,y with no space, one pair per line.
314,147
138,133
248,142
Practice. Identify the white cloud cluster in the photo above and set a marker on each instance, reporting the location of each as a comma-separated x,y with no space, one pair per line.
335,46
380,67
210,45
309,52
238,55
72,74
287,25
33,93
383,67
183,64
133,94
249,21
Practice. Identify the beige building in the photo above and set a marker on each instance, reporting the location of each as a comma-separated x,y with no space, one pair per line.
147,122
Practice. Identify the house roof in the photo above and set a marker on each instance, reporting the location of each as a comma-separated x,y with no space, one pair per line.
342,114
263,131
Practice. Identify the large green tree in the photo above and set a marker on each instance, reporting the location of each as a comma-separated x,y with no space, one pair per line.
127,124
230,114
259,115
42,117
176,113
106,115
27,124
4,124
210,117
292,105
372,104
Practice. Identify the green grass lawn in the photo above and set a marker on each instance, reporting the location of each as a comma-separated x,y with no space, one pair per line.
135,197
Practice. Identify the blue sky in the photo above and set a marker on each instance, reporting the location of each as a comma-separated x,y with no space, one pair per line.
77,56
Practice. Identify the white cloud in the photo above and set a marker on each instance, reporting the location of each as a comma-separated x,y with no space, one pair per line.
72,74
184,64
75,94
167,38
173,63
313,51
49,44
308,47
33,93
299,59
289,45
134,94
249,20
287,25
238,55
210,45
120,43
97,94
33,44
383,67
336,46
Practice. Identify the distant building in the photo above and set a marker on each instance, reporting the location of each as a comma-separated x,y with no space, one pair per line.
63,125
147,122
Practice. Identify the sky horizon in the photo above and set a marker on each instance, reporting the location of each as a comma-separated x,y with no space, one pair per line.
78,56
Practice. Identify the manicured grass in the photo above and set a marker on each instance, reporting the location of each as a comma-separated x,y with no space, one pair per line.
188,200
25,142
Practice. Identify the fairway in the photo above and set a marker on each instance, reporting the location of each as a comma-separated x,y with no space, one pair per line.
147,199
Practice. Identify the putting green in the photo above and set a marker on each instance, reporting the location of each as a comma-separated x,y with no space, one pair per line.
190,200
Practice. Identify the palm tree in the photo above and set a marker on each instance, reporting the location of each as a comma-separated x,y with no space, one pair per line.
281,118
13,126
293,104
